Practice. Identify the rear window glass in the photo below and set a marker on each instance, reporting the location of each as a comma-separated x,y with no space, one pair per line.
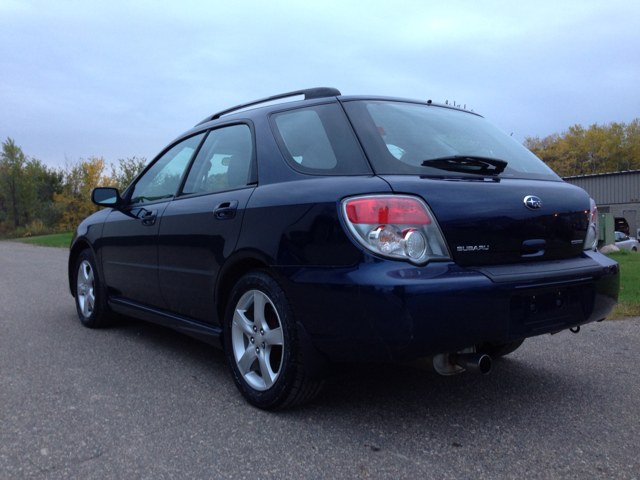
399,137
318,140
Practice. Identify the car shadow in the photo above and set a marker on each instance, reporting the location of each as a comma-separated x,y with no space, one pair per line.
172,343
515,386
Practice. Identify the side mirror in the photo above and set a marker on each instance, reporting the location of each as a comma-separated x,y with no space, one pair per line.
106,197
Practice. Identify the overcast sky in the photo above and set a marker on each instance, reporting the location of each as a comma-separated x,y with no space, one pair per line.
123,78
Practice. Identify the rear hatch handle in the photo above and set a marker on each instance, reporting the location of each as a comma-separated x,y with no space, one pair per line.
533,248
226,210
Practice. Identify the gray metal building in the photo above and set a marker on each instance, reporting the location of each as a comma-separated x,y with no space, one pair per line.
617,193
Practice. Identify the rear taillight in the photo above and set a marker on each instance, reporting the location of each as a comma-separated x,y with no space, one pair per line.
400,227
591,241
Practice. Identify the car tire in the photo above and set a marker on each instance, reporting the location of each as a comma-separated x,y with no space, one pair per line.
262,345
634,249
91,302
495,350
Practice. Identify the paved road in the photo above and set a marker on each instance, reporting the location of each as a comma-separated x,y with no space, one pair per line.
140,401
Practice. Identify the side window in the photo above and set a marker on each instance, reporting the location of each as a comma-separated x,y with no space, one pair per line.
162,180
223,161
306,139
319,140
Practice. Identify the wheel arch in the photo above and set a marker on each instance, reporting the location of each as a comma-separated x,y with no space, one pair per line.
77,248
229,276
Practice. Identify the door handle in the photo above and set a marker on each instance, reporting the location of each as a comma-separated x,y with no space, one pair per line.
149,218
226,210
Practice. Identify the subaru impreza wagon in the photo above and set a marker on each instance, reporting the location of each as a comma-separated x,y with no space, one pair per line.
331,229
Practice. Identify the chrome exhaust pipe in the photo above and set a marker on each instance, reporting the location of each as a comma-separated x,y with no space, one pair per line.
472,362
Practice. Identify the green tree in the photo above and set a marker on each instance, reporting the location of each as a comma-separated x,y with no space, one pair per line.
13,185
44,183
126,172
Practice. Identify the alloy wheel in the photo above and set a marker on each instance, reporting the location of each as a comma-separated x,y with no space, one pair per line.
257,339
85,289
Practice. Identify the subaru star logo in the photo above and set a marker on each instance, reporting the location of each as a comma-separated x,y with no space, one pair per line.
532,203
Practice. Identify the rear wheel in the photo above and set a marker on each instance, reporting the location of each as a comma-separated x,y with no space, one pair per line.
91,302
261,345
496,350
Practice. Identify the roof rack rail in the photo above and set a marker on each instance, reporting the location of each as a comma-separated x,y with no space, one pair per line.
309,93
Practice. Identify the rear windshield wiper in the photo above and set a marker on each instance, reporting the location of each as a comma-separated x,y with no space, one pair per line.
468,164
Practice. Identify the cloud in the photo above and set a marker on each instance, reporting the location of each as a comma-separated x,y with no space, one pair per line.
118,79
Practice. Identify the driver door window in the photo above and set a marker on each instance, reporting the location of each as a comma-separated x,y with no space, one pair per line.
162,180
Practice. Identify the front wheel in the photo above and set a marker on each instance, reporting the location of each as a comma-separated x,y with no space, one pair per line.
261,345
90,297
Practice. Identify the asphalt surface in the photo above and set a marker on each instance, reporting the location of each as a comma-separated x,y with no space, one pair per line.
140,401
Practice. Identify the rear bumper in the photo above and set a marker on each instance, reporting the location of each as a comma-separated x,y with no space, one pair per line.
383,310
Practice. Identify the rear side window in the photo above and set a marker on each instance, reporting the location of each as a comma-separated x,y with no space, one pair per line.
223,161
318,140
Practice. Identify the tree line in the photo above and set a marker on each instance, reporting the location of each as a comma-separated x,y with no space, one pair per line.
586,151
36,199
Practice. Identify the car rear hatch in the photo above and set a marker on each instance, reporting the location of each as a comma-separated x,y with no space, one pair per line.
486,221
496,202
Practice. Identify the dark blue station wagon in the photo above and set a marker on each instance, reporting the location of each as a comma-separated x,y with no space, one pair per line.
338,229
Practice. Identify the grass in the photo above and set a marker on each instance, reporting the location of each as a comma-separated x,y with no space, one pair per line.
56,240
629,299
